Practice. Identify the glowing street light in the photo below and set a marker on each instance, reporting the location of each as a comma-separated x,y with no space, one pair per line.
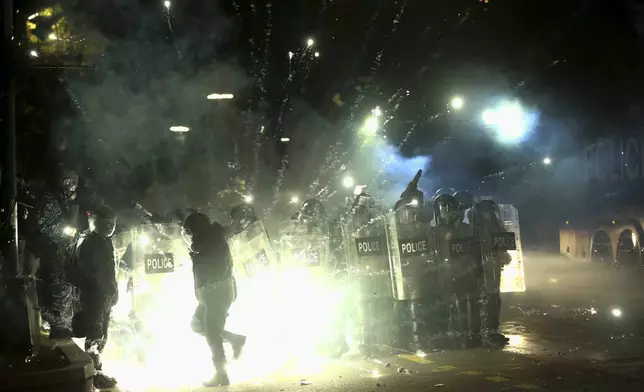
348,182
547,161
457,103
316,54
310,42
52,37
33,53
166,4
179,129
285,140
220,96
616,312
248,199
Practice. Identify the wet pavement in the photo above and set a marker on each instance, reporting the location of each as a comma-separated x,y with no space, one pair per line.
578,328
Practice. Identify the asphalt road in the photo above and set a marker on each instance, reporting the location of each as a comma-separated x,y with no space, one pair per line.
578,328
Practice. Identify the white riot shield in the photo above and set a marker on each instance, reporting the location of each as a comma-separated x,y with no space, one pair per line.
367,257
513,275
252,252
414,268
305,251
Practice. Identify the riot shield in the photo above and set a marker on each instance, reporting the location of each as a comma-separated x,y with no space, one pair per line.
513,274
251,252
305,251
414,268
367,258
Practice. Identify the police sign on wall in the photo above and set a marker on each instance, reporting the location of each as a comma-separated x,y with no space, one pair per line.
159,263
309,256
461,247
370,246
256,263
413,246
504,241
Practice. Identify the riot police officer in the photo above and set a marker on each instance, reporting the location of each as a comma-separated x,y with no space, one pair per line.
48,233
242,216
465,202
456,245
215,289
93,271
487,223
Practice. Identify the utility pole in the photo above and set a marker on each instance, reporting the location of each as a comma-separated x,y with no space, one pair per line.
19,290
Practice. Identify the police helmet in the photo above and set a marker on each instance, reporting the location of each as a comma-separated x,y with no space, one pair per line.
486,210
312,208
465,199
443,191
102,221
446,208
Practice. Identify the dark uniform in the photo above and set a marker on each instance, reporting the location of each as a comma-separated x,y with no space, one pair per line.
486,223
215,289
48,233
462,272
94,273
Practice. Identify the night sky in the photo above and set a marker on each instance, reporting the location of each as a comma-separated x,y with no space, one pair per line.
575,63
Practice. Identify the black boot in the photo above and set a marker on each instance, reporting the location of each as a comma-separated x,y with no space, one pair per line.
220,378
101,381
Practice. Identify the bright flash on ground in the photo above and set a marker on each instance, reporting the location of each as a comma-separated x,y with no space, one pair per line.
220,96
33,53
285,140
547,161
248,199
348,182
616,312
52,37
69,231
166,4
179,128
310,42
375,373
457,103
421,354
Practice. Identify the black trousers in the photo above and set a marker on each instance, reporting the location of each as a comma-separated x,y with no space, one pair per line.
54,292
492,313
93,322
212,313
465,313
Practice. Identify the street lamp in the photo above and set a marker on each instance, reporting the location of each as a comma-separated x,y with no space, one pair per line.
179,129
457,103
248,199
220,96
166,4
348,182
547,161
310,42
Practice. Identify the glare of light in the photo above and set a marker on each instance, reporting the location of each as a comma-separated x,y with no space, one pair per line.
370,126
290,55
634,238
220,96
616,312
457,103
69,231
414,202
567,222
348,182
613,222
248,198
421,354
375,373
310,42
547,161
592,311
358,189
179,128
377,112
166,4
33,53
52,37
316,54
553,280
144,239
285,139
32,16
295,200
510,121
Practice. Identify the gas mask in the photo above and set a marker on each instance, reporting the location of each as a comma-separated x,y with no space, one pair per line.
69,186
